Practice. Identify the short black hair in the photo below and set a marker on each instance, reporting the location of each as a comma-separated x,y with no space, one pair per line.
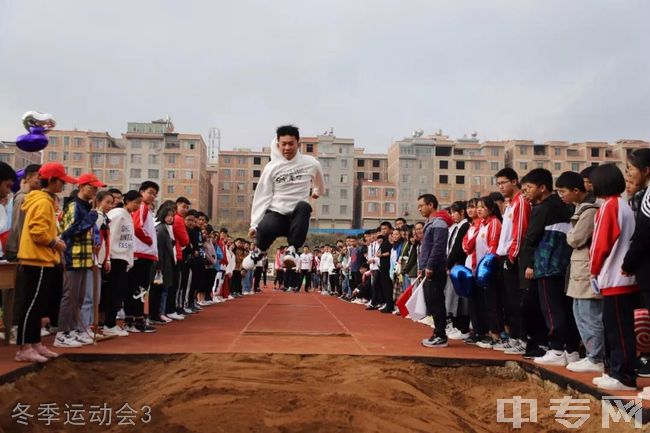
183,200
607,180
459,206
288,130
639,158
492,206
497,196
193,212
571,180
149,184
400,219
586,173
31,169
386,224
539,177
115,191
101,195
508,173
6,172
131,196
429,199
204,215
223,230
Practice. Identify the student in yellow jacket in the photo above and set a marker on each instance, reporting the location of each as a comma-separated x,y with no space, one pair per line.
39,251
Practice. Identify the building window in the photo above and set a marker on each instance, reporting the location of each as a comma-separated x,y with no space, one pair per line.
53,140
326,178
423,180
375,176
444,165
189,175
241,160
154,159
136,158
326,209
257,173
326,193
361,175
153,174
523,150
325,163
136,172
154,145
343,209
344,193
226,159
254,186
372,207
191,145
65,156
376,163
389,192
460,165
477,165
241,173
189,160
66,140
572,152
257,160
76,156
460,194
225,186
575,166
136,144
444,193
494,166
495,151
170,189
113,174
240,199
225,172
171,159
406,178
443,179
372,192
98,144
116,159
171,174
240,213
76,172
540,165
460,180
595,152
523,165
558,151
558,166
361,162
78,141
344,163
240,186
52,156
225,199
389,207
310,148
477,180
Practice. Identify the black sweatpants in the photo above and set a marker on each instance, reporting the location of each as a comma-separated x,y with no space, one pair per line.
377,294
183,286
113,296
558,313
37,282
257,278
386,286
306,275
235,282
294,226
172,290
139,278
620,339
477,312
355,281
533,321
512,297
434,296
279,278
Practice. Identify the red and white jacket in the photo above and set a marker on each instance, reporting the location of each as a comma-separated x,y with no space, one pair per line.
469,244
515,223
146,240
614,226
487,240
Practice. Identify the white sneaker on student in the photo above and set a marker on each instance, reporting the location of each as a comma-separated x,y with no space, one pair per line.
44,332
614,385
82,337
289,259
571,357
597,380
64,339
428,320
457,335
585,365
552,357
115,330
517,347
231,297
176,316
645,393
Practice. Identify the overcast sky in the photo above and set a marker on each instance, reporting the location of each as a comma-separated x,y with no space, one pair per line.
374,70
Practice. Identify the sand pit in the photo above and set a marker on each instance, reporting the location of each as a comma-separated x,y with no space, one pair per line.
286,393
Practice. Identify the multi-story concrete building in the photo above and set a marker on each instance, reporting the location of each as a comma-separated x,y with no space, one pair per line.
375,201
370,166
17,158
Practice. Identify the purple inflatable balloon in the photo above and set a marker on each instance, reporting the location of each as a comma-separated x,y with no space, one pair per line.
462,280
34,141
486,271
20,175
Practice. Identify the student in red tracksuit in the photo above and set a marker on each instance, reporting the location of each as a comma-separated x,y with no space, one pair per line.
182,239
476,302
614,226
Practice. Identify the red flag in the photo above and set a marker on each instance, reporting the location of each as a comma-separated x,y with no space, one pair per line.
403,299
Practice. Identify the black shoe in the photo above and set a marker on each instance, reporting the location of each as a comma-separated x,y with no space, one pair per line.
143,327
643,367
158,321
473,339
385,310
371,307
435,342
533,351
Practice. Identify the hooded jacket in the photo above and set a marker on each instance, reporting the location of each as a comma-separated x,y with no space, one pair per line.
433,250
39,231
122,235
79,234
579,238
285,183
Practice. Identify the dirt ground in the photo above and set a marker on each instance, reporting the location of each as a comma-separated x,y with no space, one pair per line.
283,393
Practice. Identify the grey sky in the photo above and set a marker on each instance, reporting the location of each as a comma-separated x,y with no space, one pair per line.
373,70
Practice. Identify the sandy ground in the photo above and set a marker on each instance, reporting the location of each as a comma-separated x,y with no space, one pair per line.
286,393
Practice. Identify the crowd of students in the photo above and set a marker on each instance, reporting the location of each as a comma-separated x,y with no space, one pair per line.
572,265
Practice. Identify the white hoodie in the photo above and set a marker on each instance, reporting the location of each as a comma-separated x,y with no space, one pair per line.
122,235
327,263
284,184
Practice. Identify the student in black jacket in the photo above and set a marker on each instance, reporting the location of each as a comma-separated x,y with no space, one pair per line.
456,256
160,289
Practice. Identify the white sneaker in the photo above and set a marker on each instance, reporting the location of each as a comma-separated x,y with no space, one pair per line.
517,347
44,332
231,297
552,357
428,320
115,330
65,340
597,380
572,357
289,259
82,337
502,345
247,293
165,319
176,316
457,335
585,365
645,394
614,385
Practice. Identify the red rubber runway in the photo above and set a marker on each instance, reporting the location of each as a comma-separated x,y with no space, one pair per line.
278,322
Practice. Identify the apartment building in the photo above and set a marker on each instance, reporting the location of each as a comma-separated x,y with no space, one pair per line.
375,201
17,158
370,166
